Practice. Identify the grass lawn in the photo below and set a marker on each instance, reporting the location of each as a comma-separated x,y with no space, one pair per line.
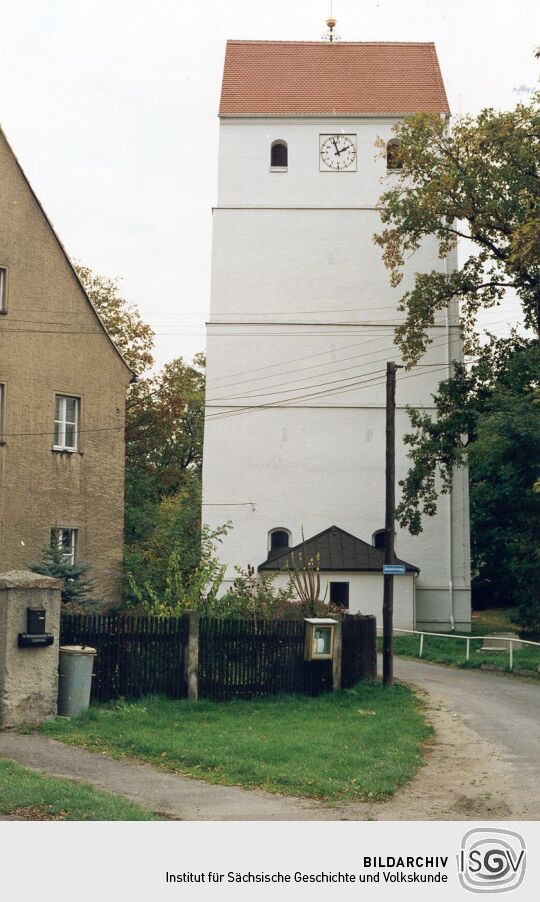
493,620
36,797
448,651
359,743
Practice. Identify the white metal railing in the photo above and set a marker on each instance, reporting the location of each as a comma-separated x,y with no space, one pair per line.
468,640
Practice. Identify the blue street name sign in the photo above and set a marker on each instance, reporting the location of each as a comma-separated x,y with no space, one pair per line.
393,569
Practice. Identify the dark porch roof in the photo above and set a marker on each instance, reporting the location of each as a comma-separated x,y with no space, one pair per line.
337,550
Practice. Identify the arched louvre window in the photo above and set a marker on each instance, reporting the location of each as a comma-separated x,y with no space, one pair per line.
279,155
379,539
393,155
279,541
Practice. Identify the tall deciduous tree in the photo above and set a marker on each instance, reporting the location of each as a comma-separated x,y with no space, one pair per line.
164,437
478,183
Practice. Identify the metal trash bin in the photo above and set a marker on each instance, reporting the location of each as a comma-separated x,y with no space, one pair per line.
75,679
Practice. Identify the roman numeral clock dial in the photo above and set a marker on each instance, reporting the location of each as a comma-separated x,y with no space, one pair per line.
337,153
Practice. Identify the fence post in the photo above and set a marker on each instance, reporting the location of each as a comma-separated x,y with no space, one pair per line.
192,656
468,649
511,655
337,656
421,645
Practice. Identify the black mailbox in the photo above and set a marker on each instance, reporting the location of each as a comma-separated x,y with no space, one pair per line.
26,640
35,621
35,635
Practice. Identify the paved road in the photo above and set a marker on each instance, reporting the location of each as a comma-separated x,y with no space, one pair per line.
504,711
179,797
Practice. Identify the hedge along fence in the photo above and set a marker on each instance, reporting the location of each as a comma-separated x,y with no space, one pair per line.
202,657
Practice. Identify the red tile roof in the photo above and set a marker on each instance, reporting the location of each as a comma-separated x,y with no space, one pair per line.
295,78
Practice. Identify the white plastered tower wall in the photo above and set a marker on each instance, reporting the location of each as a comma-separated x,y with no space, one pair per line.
301,326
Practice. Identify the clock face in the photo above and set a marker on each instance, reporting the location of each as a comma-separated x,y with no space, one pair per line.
337,153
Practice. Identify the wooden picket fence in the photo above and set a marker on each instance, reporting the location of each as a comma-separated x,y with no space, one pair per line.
139,656
359,650
243,659
136,656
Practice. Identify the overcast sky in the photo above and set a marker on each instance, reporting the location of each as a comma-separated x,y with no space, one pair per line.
104,103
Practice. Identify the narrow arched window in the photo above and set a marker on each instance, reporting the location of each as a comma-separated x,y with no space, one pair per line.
379,539
279,155
280,540
393,155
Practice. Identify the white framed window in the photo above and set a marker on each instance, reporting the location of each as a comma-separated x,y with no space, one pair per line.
3,289
65,539
66,423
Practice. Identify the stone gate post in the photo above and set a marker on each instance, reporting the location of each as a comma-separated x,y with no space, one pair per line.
29,619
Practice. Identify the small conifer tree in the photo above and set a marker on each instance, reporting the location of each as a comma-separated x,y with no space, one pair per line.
55,562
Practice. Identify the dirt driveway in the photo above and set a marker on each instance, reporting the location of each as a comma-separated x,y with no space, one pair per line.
485,759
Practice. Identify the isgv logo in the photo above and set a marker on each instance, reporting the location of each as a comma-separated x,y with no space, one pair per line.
491,861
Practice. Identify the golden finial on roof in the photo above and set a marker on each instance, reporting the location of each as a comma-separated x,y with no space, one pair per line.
331,24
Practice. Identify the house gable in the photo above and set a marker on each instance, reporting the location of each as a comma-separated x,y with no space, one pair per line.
28,243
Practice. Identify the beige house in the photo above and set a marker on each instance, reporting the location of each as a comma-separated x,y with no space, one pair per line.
62,399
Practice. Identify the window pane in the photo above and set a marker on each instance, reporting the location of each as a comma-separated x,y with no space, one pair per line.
64,538
380,539
279,539
339,594
393,155
71,410
322,641
70,436
58,407
70,548
279,155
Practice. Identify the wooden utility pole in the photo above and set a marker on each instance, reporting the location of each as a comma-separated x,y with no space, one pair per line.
390,504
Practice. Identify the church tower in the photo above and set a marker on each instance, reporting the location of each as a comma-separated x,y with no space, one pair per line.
302,323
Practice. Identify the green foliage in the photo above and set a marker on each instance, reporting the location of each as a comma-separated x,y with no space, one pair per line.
54,562
165,549
164,437
360,743
496,404
504,367
251,598
504,462
131,335
174,568
478,181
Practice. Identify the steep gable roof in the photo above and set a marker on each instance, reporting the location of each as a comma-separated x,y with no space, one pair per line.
64,252
300,78
334,549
